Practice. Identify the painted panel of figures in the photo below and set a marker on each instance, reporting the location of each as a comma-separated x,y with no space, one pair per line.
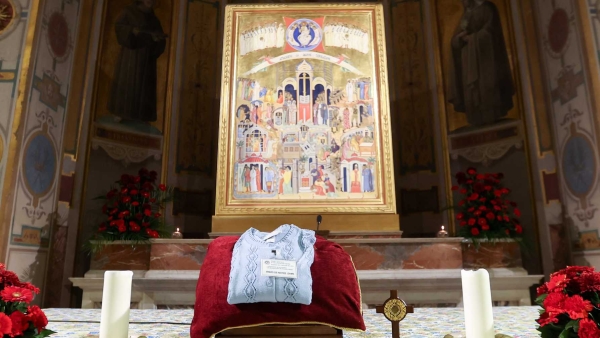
305,108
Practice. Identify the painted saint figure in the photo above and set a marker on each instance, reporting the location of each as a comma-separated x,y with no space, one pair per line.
355,184
481,84
253,186
142,40
367,179
287,181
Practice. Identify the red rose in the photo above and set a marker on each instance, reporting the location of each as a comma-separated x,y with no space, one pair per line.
471,209
148,212
482,221
37,316
480,176
577,307
137,179
518,229
497,208
477,213
126,199
473,196
573,272
542,290
506,218
482,208
162,187
121,228
469,181
463,191
133,192
588,329
499,218
494,202
474,231
145,194
482,200
5,324
505,191
460,216
490,216
488,187
472,221
546,318
460,203
471,171
462,223
114,211
454,188
145,224
157,215
554,302
16,294
589,281
557,283
19,323
497,193
102,228
517,212
485,227
135,203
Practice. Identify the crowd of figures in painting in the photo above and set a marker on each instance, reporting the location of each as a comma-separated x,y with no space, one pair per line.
305,138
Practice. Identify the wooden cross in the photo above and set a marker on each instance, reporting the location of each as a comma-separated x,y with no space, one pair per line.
394,309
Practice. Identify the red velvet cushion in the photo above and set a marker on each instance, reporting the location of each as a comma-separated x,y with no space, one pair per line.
336,297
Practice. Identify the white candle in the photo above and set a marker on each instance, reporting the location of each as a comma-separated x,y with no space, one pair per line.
477,300
116,299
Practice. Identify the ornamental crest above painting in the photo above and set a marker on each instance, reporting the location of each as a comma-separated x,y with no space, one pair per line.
305,109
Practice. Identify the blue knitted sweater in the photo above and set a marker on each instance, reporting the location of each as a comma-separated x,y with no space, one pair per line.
247,285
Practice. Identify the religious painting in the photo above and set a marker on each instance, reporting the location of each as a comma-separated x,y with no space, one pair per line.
478,61
131,92
305,121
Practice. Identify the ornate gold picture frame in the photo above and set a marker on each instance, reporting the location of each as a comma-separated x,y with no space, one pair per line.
305,120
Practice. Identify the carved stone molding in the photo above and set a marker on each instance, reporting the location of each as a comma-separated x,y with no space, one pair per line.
126,154
487,144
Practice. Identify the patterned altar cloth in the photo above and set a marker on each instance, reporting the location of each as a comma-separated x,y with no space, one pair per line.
517,322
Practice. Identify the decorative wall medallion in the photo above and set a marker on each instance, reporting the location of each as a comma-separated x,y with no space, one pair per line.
567,83
10,11
59,36
579,168
49,87
558,33
39,164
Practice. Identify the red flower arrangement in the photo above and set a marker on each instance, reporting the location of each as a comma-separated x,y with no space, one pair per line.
18,318
484,211
133,209
570,303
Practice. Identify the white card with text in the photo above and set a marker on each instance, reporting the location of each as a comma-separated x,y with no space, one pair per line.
278,268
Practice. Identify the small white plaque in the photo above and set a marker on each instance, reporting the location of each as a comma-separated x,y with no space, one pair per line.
278,268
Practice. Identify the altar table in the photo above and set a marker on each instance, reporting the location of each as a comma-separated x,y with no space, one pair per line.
517,322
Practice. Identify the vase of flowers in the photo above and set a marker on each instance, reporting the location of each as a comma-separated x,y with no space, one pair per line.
488,221
132,212
569,304
18,318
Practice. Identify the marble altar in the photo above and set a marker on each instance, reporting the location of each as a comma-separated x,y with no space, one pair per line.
425,271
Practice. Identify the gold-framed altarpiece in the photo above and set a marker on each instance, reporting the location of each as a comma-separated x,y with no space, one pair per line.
305,118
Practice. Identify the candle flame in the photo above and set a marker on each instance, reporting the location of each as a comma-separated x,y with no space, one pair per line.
442,227
177,229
